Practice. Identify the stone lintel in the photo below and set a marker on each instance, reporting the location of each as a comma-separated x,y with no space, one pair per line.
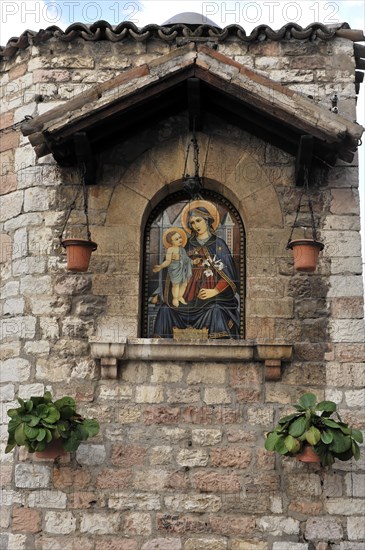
154,349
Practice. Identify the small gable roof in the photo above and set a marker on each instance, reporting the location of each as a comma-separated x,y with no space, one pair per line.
150,91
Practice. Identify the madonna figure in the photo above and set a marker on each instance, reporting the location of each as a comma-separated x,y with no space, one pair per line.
211,291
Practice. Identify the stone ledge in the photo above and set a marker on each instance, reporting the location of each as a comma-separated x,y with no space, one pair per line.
272,353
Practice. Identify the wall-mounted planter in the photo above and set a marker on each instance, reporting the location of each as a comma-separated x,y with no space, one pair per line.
78,253
53,450
308,455
305,253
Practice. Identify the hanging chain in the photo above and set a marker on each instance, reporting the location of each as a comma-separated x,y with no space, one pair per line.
305,189
86,203
73,206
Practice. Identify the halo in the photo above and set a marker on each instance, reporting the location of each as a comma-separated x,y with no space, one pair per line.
212,209
174,230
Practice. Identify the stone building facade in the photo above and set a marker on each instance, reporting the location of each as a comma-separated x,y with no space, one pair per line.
180,460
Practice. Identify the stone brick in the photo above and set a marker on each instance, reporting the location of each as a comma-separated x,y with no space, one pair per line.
183,395
59,523
249,545
345,506
137,524
206,437
160,455
355,484
26,520
149,394
100,523
83,499
355,398
128,455
166,374
11,205
69,478
150,479
115,544
32,476
345,201
318,528
232,525
47,499
134,501
15,369
260,417
9,140
162,544
213,482
193,503
216,396
345,374
347,330
161,415
356,528
310,484
205,544
347,308
192,458
114,479
91,455
230,457
278,526
206,374
289,546
245,375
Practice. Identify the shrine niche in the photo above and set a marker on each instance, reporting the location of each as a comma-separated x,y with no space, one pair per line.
194,270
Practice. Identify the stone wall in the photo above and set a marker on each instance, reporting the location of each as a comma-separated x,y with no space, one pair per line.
179,463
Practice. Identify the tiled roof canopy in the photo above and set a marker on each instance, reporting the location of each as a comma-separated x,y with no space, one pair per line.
255,101
101,30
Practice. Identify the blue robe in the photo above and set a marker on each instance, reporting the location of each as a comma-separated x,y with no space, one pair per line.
220,314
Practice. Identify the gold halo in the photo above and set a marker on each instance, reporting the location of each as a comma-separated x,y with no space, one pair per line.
174,230
212,209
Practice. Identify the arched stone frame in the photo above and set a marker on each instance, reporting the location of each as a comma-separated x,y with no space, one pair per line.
233,166
239,252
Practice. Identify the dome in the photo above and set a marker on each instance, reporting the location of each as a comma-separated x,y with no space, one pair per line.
191,19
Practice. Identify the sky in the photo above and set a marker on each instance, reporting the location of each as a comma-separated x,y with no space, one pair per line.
18,15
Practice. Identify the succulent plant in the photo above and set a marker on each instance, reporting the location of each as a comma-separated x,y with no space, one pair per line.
40,420
312,425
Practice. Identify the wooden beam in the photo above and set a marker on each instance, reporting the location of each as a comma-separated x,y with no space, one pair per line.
85,156
304,158
194,103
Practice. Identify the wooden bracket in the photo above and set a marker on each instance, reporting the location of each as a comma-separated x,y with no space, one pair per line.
109,368
272,369
85,156
304,158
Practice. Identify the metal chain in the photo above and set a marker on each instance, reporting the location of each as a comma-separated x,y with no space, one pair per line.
73,204
86,204
305,189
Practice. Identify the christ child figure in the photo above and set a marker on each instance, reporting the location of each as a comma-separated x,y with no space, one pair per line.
177,262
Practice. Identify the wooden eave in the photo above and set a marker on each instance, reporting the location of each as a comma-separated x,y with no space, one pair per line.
111,111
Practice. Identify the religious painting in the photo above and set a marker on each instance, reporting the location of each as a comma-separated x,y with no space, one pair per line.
194,261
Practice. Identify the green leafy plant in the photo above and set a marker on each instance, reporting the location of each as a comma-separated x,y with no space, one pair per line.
312,425
40,420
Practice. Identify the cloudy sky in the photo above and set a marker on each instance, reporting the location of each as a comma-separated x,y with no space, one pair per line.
19,15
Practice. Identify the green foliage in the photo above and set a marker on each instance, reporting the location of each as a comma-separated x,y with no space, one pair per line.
311,425
40,420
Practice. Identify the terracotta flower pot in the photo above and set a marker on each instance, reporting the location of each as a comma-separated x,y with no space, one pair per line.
308,455
52,451
306,253
78,253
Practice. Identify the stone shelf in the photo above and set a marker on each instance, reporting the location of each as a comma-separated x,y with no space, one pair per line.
271,353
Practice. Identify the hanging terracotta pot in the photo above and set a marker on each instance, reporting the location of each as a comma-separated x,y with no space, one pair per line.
78,253
306,253
52,451
308,455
